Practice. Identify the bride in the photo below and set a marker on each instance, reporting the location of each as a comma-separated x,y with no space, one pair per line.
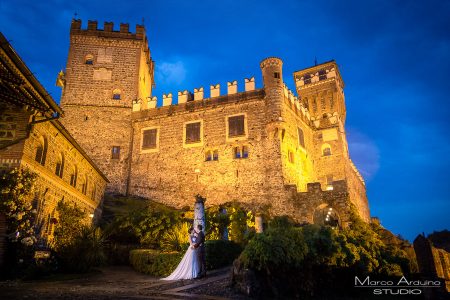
189,266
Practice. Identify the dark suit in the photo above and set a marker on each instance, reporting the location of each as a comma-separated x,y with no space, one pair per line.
200,244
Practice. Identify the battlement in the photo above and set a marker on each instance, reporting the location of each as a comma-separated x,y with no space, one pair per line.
296,105
197,96
108,30
321,73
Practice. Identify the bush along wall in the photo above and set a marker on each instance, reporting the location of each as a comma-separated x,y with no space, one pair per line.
153,262
220,253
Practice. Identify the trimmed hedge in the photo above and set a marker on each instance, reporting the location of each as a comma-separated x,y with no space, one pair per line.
221,253
153,262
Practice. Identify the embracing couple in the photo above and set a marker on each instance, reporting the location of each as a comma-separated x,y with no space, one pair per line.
193,264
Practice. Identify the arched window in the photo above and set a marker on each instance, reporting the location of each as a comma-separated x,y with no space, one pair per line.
244,152
73,177
237,152
116,94
41,151
60,166
291,157
84,187
89,59
208,155
216,155
326,150
93,192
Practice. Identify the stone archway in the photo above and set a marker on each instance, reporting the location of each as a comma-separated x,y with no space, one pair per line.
325,214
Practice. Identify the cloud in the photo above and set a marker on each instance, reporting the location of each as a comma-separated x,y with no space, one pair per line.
170,73
364,153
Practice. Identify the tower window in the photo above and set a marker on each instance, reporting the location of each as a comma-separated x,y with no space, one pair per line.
322,74
276,75
115,152
301,137
326,151
216,155
193,131
116,94
307,78
236,126
89,59
149,139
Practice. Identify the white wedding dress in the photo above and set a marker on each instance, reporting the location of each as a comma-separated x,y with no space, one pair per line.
188,267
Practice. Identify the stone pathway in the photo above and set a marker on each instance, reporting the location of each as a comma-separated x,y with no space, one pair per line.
121,283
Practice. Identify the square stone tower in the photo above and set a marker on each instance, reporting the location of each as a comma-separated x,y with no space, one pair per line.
321,90
107,71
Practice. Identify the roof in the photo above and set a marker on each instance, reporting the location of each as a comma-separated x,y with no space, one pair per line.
316,66
12,86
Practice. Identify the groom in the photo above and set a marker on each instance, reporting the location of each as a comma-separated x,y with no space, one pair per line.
200,243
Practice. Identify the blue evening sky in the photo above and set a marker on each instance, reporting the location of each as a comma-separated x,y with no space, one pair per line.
394,56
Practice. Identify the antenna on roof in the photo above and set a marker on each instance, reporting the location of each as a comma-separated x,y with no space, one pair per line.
143,21
315,61
75,14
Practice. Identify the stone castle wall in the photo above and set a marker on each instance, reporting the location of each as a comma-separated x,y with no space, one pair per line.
175,173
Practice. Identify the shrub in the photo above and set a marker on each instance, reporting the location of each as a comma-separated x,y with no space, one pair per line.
16,188
69,226
176,238
84,252
153,262
314,260
119,254
221,253
130,220
275,250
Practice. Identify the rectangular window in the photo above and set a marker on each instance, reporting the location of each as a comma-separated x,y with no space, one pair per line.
115,152
301,137
193,133
236,126
276,75
149,139
216,155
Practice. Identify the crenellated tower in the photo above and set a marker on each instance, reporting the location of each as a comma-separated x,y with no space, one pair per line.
107,70
321,90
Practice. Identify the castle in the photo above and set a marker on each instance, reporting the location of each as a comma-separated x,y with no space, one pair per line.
263,146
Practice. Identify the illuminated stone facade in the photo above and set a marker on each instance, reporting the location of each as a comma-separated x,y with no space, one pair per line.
261,146
31,137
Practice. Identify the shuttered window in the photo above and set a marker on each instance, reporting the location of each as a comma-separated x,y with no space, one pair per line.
193,133
149,138
236,126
